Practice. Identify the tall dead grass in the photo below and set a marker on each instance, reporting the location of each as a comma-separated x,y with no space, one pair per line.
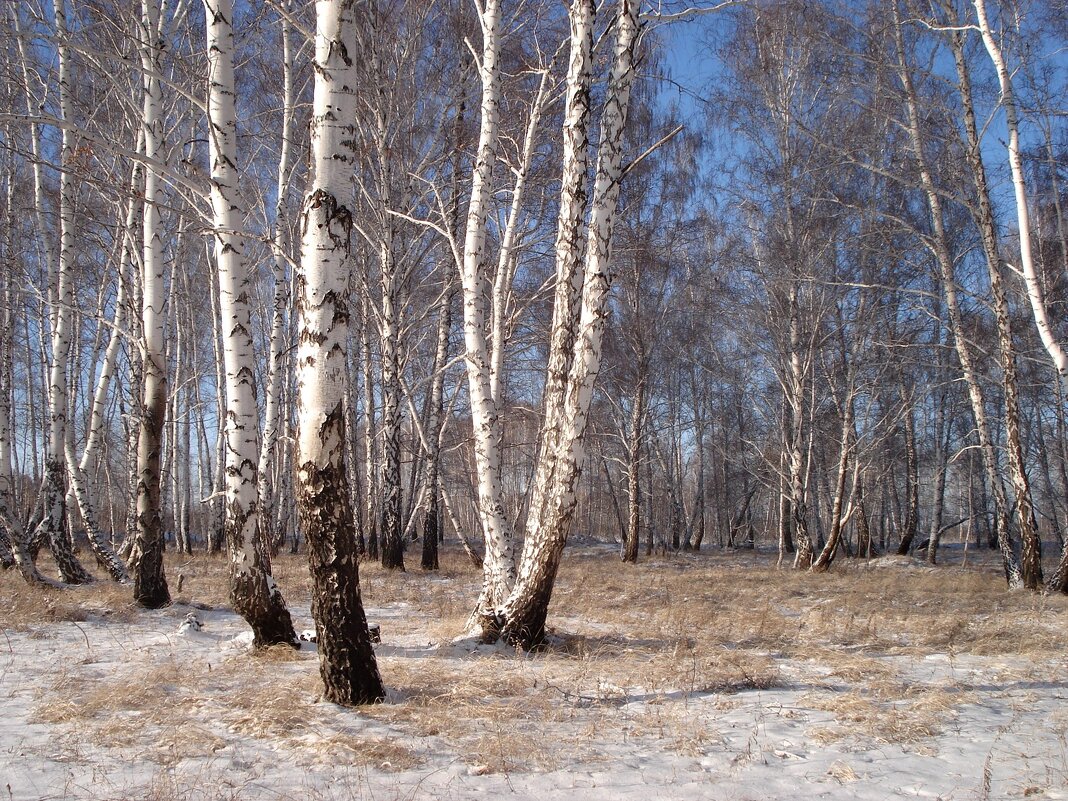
634,646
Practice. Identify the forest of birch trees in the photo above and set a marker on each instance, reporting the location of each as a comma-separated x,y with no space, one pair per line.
366,279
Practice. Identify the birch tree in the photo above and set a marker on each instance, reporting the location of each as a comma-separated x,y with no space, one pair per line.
347,660
252,590
567,404
939,245
146,559
54,523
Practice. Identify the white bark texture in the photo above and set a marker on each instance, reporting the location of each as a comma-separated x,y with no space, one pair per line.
276,361
150,584
54,523
554,497
940,247
347,660
499,560
254,594
1027,265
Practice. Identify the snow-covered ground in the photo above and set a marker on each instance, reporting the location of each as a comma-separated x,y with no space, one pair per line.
123,706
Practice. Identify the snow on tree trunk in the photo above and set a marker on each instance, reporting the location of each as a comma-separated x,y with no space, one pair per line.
252,590
554,496
347,660
150,584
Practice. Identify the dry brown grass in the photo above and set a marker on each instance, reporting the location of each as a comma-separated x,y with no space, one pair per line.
635,645
23,607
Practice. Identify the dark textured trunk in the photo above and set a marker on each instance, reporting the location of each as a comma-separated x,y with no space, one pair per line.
150,584
864,542
1031,561
54,524
346,656
827,555
634,491
252,590
912,487
431,531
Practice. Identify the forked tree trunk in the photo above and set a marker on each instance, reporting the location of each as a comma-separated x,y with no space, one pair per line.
346,656
562,453
146,559
253,592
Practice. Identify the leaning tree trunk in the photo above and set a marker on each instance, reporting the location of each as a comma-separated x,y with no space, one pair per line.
252,590
940,246
562,452
346,656
1035,296
1031,562
823,562
146,559
78,469
499,562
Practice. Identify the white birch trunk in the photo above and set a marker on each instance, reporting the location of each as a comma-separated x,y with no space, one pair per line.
150,584
347,660
569,239
54,524
276,371
1032,281
549,521
252,590
499,561
940,247
1031,561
